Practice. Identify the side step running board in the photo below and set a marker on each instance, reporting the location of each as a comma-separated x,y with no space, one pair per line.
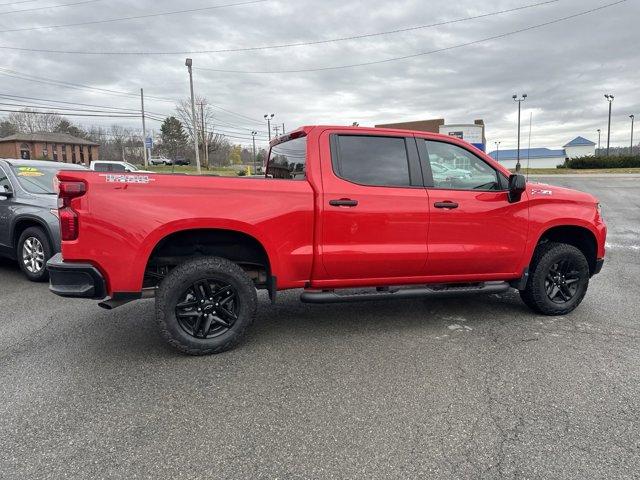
385,293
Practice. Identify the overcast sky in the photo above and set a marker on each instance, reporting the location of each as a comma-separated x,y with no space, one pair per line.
565,68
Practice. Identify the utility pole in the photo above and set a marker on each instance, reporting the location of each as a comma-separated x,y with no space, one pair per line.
255,159
276,129
519,100
632,117
189,62
497,151
283,130
205,143
268,118
144,129
598,142
610,100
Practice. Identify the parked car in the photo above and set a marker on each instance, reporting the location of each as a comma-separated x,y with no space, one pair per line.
444,171
160,161
29,229
181,161
341,208
113,166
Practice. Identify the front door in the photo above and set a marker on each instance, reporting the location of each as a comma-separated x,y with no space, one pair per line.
374,210
474,230
5,211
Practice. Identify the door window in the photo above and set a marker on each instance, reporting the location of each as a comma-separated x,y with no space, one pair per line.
372,160
455,168
5,184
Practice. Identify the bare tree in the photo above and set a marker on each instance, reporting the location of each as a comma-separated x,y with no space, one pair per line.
29,121
183,111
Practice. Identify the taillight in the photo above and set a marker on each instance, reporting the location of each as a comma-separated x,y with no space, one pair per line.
68,216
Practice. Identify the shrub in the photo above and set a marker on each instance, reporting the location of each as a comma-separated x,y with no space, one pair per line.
625,161
241,173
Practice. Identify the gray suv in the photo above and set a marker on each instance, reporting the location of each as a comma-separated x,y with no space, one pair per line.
29,228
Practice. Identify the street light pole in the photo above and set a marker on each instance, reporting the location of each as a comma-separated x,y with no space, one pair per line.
497,151
632,117
189,62
609,98
255,159
519,100
268,118
598,142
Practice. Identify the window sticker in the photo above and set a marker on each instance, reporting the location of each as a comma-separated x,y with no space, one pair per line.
29,172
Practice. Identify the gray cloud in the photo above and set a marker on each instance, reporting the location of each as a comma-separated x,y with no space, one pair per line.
564,68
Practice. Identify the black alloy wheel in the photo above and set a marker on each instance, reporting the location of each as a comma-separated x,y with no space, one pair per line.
208,308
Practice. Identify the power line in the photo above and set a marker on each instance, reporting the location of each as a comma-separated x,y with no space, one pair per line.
282,45
414,55
132,17
42,100
64,109
78,86
49,7
16,3
71,114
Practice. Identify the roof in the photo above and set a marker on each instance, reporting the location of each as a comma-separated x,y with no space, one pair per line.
48,138
42,163
580,141
527,153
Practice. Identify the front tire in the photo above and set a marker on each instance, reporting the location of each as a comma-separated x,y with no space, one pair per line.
33,251
558,280
205,306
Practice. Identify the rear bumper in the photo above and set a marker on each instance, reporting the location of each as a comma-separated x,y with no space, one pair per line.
79,280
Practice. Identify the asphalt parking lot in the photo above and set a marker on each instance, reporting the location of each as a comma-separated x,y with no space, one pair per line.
459,388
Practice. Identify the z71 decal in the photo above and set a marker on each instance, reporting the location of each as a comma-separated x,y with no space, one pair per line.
126,178
538,191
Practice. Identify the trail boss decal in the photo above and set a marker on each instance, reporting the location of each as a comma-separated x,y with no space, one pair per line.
539,191
126,178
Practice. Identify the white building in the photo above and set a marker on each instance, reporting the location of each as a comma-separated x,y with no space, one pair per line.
545,157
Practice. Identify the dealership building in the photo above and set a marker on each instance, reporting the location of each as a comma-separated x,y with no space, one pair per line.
545,157
469,132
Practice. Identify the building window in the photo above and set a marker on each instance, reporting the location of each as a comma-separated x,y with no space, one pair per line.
54,152
73,154
25,151
45,151
90,149
64,153
81,154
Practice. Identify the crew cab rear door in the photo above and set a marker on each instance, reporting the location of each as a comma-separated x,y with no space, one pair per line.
374,208
473,230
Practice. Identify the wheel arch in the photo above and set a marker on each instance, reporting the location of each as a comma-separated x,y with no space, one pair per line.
238,246
580,236
21,223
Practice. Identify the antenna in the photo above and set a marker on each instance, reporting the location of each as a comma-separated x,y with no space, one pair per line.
529,148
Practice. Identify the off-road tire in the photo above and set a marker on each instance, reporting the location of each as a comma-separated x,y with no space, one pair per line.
546,255
41,236
184,275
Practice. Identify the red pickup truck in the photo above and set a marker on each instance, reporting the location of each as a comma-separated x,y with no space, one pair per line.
343,213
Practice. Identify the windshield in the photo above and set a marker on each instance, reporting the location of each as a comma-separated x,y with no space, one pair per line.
130,167
36,179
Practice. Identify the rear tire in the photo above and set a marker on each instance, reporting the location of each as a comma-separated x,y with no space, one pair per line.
205,306
33,251
558,279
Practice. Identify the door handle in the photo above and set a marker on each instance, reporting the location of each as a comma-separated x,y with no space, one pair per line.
448,205
343,202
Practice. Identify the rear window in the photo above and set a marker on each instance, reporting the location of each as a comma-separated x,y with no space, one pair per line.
288,160
36,179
